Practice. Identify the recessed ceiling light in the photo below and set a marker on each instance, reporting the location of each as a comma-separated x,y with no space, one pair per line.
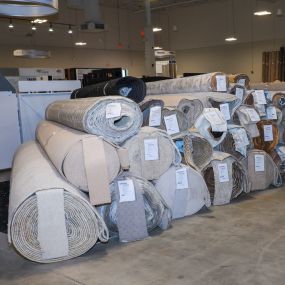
81,44
262,13
157,29
39,21
230,39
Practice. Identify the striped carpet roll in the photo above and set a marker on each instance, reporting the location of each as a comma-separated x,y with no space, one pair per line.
113,117
217,81
130,87
49,220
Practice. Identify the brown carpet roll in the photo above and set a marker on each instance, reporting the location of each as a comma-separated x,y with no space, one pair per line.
240,78
269,136
278,99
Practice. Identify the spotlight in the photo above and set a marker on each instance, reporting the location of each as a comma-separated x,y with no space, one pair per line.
50,28
11,26
70,30
81,44
262,13
34,28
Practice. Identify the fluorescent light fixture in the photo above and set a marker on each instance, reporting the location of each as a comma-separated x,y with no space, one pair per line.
81,44
11,26
34,28
70,30
157,29
262,13
39,21
157,48
231,39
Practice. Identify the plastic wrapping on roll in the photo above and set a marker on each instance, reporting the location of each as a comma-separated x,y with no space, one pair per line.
113,117
35,188
130,87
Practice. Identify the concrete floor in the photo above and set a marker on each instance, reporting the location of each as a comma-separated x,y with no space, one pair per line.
241,243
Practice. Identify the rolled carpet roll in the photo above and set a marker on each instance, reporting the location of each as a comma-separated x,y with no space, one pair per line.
115,118
49,220
225,177
278,99
247,117
240,78
207,82
130,223
184,191
212,126
237,142
130,87
270,86
151,110
151,153
262,171
238,90
278,157
269,136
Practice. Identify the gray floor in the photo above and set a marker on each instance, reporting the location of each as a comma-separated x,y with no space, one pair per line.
241,243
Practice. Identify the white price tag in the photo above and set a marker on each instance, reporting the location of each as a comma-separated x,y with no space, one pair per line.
150,149
171,124
216,119
181,179
241,82
271,113
239,93
268,133
221,83
223,172
253,115
259,162
259,97
225,110
126,190
113,110
155,116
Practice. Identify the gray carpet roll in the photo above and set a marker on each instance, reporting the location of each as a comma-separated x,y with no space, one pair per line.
113,117
151,153
88,162
184,190
49,220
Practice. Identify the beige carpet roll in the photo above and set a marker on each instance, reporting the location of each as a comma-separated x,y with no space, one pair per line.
212,126
262,171
88,162
151,153
225,177
217,81
238,90
184,191
114,117
241,79
49,220
270,86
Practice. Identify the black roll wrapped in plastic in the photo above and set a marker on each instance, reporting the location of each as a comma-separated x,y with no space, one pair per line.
130,87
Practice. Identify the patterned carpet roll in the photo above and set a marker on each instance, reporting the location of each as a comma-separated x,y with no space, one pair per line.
49,220
113,117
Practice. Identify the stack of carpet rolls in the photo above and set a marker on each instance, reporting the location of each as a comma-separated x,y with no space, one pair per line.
107,166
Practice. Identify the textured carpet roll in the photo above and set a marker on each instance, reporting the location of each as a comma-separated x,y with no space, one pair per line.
225,177
115,118
212,126
269,136
151,110
207,82
241,79
86,161
184,190
151,153
271,86
278,99
156,212
262,171
280,163
238,90
131,87
49,220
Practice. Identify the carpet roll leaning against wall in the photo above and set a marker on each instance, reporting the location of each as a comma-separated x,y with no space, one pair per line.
49,220
130,87
207,82
113,117
88,162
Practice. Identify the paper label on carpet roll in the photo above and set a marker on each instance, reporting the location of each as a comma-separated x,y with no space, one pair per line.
181,179
268,133
271,113
171,124
155,116
252,115
113,110
221,83
239,93
223,172
126,190
151,149
225,110
216,119
259,162
259,97
241,81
